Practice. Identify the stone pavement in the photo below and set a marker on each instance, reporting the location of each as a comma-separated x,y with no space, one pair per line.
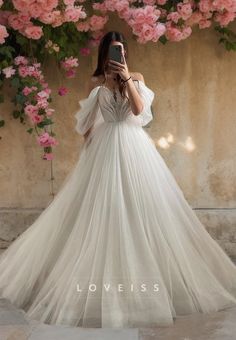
15,325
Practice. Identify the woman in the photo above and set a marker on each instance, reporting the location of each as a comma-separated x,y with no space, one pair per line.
119,246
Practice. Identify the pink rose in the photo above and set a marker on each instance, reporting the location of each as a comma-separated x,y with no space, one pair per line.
20,60
35,119
42,103
26,90
47,18
72,14
15,22
85,51
82,26
195,18
42,95
204,23
35,10
70,73
69,2
46,140
185,10
48,156
8,71
205,5
174,16
3,34
49,112
69,62
33,32
4,17
30,109
62,91
97,23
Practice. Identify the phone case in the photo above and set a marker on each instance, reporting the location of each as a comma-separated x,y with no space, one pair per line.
115,53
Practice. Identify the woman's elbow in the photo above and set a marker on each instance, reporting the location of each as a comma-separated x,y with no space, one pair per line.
139,110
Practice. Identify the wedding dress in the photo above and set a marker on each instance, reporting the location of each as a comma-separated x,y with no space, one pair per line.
119,246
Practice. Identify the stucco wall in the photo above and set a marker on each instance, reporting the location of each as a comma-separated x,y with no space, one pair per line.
194,130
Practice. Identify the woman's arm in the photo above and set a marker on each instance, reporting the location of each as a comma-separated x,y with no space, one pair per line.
89,86
136,101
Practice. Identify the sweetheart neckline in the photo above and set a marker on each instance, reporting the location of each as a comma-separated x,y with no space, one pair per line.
103,86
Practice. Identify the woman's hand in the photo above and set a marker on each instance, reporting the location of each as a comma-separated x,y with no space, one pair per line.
121,69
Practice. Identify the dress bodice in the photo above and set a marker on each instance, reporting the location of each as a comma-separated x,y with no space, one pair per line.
111,109
101,107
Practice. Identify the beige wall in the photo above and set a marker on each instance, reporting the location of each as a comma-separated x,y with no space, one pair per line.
195,107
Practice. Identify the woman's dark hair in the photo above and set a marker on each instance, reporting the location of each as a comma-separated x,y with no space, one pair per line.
103,50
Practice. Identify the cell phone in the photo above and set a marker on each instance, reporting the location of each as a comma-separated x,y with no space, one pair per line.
115,53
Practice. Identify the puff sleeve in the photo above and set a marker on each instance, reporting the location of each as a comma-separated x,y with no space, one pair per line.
89,115
147,95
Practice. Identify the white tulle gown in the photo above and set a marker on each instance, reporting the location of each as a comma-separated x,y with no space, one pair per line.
119,246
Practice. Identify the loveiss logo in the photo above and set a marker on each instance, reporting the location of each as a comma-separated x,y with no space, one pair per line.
120,287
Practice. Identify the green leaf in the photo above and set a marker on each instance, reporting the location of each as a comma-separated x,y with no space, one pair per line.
2,123
15,82
30,130
45,122
16,114
20,99
163,39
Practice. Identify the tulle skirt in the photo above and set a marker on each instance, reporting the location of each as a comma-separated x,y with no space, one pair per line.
119,246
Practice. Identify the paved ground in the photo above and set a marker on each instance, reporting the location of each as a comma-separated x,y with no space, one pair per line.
15,325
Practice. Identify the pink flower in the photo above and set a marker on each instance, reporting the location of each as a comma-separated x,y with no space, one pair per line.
72,14
42,103
3,34
23,71
205,5
149,2
97,23
15,22
33,32
85,51
35,119
69,62
42,95
224,18
70,73
204,23
20,60
27,90
58,18
35,9
161,2
195,18
62,91
49,5
30,109
173,16
49,112
46,140
82,26
48,156
69,2
173,34
47,18
185,10
8,71
4,17
186,32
